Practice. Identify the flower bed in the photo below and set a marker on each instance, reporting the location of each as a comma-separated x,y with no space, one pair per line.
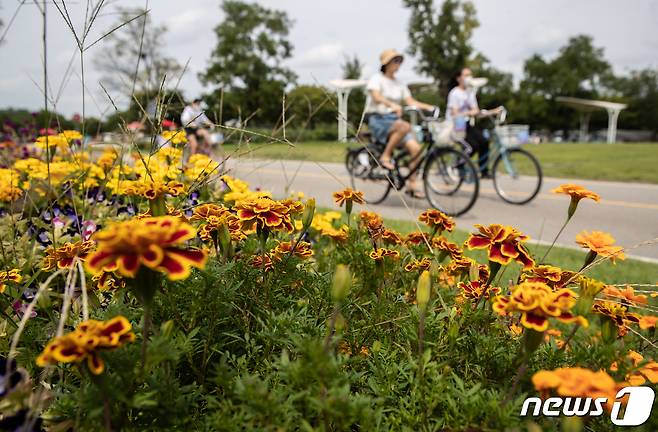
149,291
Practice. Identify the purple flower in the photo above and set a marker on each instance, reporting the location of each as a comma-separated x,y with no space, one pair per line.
20,308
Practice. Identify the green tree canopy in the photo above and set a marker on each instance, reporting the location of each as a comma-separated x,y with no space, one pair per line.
247,62
441,41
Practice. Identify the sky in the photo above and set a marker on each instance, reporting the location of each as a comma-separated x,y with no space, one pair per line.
324,32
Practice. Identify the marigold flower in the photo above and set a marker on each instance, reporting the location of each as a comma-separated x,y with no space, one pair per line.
537,302
462,265
303,250
216,216
381,253
447,247
648,321
391,237
418,264
154,242
600,243
577,193
263,262
12,275
437,220
575,382
62,257
474,290
552,276
416,238
175,137
86,342
339,234
618,313
264,213
626,296
373,223
503,244
348,195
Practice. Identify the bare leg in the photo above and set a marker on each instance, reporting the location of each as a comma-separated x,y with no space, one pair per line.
191,139
414,149
205,135
398,130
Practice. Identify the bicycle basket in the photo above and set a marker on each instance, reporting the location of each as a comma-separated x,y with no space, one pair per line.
513,135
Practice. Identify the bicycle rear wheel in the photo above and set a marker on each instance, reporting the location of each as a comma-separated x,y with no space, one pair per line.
367,176
451,181
517,176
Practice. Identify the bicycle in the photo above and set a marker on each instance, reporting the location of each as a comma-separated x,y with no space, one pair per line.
450,179
516,173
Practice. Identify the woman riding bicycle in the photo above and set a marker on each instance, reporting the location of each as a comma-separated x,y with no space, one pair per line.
386,96
462,109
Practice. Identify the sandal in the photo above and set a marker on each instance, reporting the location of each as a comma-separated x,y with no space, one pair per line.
415,193
387,164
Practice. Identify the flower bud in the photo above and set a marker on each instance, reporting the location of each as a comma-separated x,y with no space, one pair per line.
423,290
309,212
342,282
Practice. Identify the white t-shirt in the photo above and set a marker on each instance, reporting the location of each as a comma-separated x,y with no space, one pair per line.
192,117
461,99
391,89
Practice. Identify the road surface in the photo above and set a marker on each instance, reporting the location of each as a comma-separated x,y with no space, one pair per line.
628,211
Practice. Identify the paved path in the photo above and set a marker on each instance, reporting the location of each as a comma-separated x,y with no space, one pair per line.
628,211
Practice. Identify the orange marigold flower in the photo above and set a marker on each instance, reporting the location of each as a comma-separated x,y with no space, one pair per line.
437,220
575,382
577,193
447,247
294,206
348,195
86,342
416,238
12,275
552,276
216,216
381,253
503,244
627,296
421,264
339,234
537,302
600,243
264,213
391,237
648,321
474,290
618,313
302,250
462,265
155,242
373,223
62,257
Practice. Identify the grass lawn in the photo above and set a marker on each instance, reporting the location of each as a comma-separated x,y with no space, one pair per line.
627,271
615,162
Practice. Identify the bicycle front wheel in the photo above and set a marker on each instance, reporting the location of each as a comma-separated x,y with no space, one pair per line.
367,176
451,181
517,176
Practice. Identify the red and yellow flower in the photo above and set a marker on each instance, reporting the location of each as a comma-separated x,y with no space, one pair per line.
12,275
537,303
62,257
418,265
86,342
474,290
264,213
156,242
302,250
504,244
380,253
348,196
576,382
437,220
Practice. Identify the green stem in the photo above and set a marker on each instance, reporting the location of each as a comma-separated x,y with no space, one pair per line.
564,225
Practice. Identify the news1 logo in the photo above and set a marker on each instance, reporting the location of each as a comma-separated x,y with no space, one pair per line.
638,407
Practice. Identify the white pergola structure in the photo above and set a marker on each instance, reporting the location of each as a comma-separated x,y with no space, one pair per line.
585,108
343,88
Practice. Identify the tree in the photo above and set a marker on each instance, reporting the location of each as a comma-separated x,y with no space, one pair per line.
640,91
500,85
441,42
578,70
252,44
134,59
352,67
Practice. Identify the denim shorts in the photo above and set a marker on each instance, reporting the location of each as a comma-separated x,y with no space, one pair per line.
380,126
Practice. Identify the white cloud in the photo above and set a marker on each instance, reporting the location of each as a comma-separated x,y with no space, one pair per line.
327,54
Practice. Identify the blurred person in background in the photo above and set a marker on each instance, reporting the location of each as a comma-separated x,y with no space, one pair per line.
196,125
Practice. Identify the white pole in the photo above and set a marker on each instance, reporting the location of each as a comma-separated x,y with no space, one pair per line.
613,115
343,95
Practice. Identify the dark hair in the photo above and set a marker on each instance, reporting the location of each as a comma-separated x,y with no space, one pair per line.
382,69
197,100
454,79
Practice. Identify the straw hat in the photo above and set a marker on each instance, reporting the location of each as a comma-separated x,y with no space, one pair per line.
387,55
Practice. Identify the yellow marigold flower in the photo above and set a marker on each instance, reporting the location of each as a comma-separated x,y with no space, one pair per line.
107,159
576,382
12,275
175,137
50,141
214,217
303,250
264,213
9,185
648,321
381,253
348,196
600,243
155,242
617,313
537,302
154,189
437,220
62,257
86,342
339,234
504,244
108,281
421,264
